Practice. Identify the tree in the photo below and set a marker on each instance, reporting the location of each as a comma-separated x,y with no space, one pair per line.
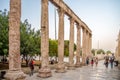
4,34
100,51
30,41
66,47
108,52
93,51
53,48
29,38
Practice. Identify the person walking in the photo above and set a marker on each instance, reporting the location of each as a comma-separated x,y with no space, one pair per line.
92,62
31,65
87,61
112,58
96,61
106,61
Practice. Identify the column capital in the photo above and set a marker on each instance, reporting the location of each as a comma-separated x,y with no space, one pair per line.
71,19
83,29
78,26
60,11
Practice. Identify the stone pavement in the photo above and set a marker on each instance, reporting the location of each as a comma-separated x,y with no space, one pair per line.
83,73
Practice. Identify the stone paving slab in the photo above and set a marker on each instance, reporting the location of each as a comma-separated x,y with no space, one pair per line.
83,73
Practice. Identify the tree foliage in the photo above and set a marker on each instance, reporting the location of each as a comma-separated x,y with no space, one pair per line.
100,51
97,51
29,38
53,48
3,32
108,52
93,51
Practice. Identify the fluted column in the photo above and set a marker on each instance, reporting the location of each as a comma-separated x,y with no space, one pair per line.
78,46
45,70
89,54
61,65
14,71
84,47
90,44
71,45
87,43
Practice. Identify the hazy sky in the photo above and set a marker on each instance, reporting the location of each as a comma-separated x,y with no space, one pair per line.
101,16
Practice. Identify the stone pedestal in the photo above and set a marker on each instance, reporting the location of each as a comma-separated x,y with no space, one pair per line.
78,65
15,75
118,66
44,72
71,67
60,68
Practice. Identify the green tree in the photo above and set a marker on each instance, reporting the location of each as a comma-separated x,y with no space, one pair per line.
66,47
108,52
53,48
29,38
3,33
30,41
100,51
93,51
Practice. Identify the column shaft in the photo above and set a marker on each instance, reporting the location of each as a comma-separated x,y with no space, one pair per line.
78,46
71,45
84,47
87,44
91,45
45,70
14,71
61,66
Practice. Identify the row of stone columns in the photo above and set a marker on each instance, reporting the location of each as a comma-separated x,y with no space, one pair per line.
15,72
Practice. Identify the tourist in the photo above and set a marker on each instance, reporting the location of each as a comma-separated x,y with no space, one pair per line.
87,60
31,65
92,62
96,61
106,61
112,58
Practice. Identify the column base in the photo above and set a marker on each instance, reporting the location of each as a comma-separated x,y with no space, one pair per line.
77,65
118,66
71,67
44,72
60,68
15,75
83,64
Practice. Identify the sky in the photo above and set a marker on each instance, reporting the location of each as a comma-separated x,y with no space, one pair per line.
101,16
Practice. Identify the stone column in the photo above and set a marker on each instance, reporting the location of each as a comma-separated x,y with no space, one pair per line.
90,48
118,48
71,45
14,72
45,70
61,65
87,44
78,46
84,47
